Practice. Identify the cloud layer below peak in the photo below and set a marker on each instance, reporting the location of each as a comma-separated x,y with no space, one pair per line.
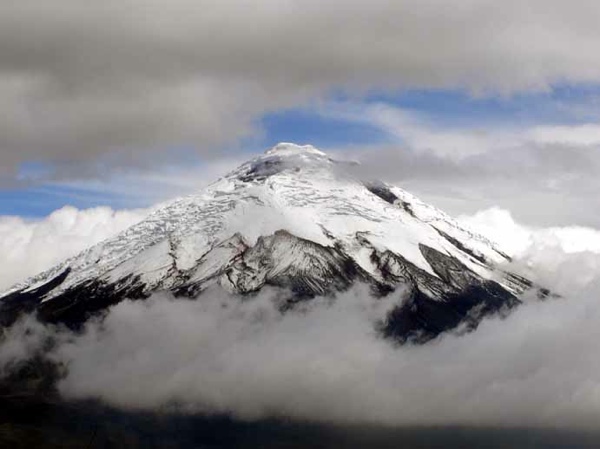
325,361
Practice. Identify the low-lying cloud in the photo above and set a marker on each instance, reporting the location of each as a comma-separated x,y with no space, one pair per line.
326,361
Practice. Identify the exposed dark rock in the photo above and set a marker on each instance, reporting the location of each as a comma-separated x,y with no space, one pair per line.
19,302
76,305
307,269
462,247
262,169
382,191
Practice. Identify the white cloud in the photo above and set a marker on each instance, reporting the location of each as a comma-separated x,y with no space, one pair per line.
583,135
20,342
538,367
414,131
29,247
562,257
517,239
421,134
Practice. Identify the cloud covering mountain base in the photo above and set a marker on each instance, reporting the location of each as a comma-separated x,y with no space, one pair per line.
325,361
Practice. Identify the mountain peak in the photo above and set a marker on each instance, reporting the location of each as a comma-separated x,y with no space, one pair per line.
284,148
286,219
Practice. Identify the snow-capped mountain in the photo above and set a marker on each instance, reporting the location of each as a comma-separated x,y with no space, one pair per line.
294,218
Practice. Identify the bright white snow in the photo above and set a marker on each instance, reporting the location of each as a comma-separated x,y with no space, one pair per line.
294,188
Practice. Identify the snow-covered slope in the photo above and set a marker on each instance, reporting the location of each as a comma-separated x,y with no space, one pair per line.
294,218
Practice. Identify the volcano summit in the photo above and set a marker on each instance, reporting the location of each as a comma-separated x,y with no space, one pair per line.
291,218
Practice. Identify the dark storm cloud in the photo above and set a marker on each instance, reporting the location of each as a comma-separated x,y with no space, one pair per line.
80,80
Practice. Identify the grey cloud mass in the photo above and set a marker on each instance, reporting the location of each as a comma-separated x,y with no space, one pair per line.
540,184
80,81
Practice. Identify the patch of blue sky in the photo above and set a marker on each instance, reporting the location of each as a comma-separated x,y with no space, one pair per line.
309,126
564,105
34,202
448,109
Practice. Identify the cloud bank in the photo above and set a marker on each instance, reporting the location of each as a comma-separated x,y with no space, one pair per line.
29,247
565,258
114,79
326,362
538,367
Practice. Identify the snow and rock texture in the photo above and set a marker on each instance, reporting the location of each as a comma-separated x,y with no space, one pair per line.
291,218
